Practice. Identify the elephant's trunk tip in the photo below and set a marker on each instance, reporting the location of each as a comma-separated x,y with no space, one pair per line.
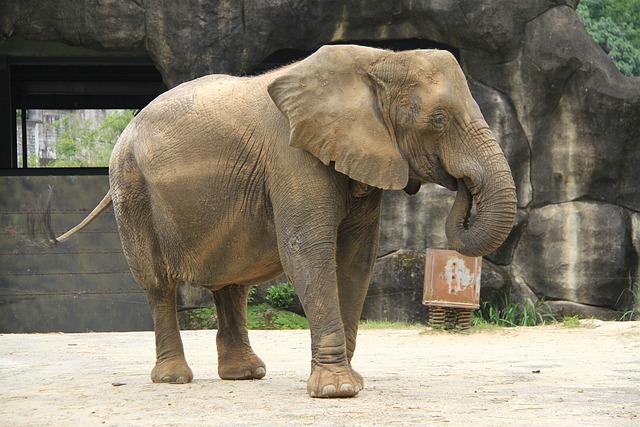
494,221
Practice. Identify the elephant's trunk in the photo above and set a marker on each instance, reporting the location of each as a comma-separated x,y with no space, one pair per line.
495,197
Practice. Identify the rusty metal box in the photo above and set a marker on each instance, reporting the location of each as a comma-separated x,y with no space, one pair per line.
451,280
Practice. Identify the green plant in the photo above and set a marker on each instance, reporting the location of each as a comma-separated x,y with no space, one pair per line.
479,322
529,314
261,316
281,295
634,312
571,321
503,312
199,318
252,295
630,315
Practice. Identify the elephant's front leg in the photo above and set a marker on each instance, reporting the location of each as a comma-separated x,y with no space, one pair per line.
357,250
310,263
331,371
236,359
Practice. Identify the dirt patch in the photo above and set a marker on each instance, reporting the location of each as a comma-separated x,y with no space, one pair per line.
553,375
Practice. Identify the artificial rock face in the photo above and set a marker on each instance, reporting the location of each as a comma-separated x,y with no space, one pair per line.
565,117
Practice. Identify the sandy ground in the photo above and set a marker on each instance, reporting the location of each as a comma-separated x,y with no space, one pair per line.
549,375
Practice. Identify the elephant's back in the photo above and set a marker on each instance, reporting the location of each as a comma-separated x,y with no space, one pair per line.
198,126
183,105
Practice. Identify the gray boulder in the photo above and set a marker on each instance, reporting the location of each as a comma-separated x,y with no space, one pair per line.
578,252
396,289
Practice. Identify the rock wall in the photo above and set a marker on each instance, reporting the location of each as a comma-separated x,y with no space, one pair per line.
567,119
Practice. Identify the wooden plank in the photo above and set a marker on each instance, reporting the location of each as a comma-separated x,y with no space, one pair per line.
81,284
73,313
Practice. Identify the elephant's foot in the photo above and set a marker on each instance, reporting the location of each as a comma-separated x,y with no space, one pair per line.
236,367
174,370
334,381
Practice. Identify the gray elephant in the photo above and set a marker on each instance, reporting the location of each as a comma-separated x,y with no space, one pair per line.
229,181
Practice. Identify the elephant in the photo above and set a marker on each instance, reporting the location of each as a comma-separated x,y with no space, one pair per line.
228,182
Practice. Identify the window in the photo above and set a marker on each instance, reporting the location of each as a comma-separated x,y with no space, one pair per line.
68,138
68,112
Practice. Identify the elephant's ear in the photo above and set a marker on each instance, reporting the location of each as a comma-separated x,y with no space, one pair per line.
331,102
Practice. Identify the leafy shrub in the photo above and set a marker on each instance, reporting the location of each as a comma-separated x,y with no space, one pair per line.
281,295
252,295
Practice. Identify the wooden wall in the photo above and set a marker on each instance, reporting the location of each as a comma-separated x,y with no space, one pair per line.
83,284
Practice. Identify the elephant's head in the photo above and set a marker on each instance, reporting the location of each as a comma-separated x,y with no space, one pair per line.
396,119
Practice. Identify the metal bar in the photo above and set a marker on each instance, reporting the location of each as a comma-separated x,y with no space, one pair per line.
67,293
25,148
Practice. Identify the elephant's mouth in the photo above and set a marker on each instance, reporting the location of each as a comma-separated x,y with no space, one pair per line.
441,176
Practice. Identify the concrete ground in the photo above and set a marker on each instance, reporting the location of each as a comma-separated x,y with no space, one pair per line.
547,375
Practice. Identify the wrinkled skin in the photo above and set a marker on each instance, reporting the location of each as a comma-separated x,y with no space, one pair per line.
228,182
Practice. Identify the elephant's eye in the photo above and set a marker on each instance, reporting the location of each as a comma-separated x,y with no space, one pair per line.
439,120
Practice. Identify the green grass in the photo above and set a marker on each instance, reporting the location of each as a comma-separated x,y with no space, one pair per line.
261,316
491,315
479,324
198,318
630,315
264,316
634,313
571,321
388,324
504,312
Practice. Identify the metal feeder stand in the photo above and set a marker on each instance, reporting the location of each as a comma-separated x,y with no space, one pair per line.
451,288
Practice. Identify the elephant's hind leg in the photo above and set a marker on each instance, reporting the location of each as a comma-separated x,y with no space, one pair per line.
160,290
140,242
236,359
171,365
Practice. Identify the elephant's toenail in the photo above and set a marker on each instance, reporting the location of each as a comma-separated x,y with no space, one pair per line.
329,390
346,388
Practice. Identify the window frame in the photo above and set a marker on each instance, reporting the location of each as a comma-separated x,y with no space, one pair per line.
67,84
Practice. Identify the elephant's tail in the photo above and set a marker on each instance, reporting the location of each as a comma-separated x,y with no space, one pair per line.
102,206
